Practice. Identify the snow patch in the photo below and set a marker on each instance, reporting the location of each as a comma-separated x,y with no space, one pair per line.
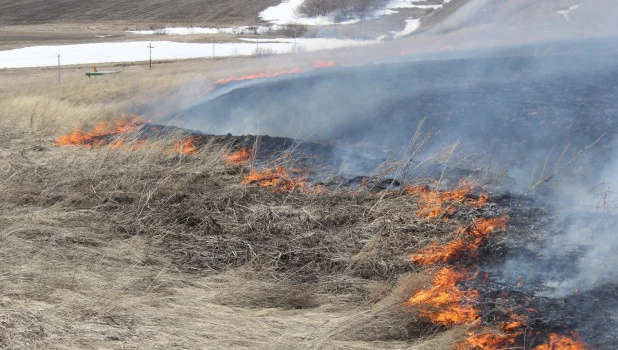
198,30
412,25
285,13
42,56
565,12
402,4
315,44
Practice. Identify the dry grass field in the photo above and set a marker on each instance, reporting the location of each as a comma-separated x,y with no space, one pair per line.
141,249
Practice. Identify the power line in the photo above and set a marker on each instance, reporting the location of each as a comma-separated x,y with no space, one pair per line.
150,47
58,68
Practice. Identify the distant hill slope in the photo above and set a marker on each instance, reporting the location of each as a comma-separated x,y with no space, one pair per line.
154,11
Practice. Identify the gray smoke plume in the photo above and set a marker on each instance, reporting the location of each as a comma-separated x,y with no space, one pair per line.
526,80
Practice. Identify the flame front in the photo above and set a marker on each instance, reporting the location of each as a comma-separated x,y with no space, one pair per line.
323,64
185,146
259,76
436,253
444,302
99,136
282,180
475,235
483,227
110,134
435,203
239,157
487,341
317,65
278,178
560,342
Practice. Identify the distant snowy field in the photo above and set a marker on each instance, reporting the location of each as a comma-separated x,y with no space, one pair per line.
285,13
277,16
41,56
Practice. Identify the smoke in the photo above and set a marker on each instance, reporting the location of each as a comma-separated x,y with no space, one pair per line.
509,108
525,90
588,216
469,12
517,107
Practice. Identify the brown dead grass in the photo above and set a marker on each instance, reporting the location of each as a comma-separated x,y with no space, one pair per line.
110,248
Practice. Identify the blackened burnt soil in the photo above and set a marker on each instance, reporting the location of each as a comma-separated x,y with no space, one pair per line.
510,109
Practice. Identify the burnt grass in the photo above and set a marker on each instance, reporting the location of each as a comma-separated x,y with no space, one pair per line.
516,109
520,287
510,108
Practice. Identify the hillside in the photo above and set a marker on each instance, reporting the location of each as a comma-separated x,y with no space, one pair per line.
196,12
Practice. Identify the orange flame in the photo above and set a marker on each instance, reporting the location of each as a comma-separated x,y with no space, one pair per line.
323,64
185,146
317,65
487,341
480,230
259,75
239,157
443,301
436,203
282,180
491,340
514,325
559,342
483,227
101,132
496,341
436,253
278,178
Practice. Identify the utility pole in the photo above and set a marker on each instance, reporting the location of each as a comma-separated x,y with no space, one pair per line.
150,47
58,68
213,49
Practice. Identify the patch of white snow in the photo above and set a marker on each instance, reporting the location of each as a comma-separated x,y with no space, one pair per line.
566,12
412,25
285,13
198,30
42,56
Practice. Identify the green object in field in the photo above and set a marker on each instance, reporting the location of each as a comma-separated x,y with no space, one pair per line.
92,74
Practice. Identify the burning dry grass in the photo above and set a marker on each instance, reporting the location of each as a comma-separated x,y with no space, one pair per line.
159,244
103,246
105,236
